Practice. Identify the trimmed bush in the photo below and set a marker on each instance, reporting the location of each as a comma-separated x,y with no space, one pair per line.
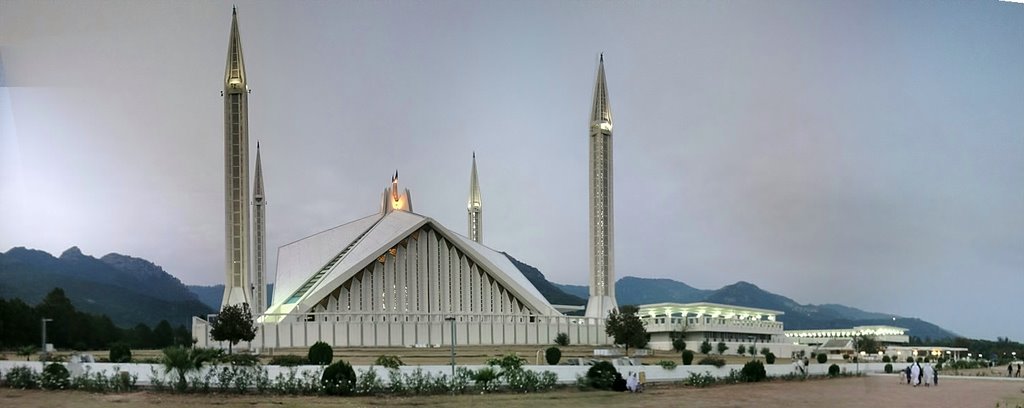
320,353
886,359
552,355
833,370
888,368
120,353
822,358
602,375
288,360
753,371
714,361
770,358
391,362
687,357
910,359
679,344
562,339
55,377
339,379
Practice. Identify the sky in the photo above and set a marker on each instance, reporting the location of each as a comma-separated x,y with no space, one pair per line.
854,152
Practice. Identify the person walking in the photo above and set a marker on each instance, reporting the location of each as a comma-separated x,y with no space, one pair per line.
1018,370
1009,370
915,373
907,372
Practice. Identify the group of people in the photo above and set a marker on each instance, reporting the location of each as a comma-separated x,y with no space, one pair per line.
918,374
1009,370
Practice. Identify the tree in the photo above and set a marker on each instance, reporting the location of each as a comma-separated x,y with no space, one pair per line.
163,334
765,351
562,339
182,337
722,347
687,357
626,328
552,355
752,350
233,324
866,343
741,350
705,347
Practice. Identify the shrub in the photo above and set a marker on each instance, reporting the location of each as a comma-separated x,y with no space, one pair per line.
391,362
700,380
288,360
833,370
769,358
246,360
486,379
667,364
753,371
822,358
508,362
562,339
368,383
741,350
522,380
721,347
886,359
320,353
120,353
714,361
687,357
679,344
552,355
888,368
339,378
910,359
602,375
55,377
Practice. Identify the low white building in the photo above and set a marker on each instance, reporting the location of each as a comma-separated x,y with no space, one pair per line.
732,325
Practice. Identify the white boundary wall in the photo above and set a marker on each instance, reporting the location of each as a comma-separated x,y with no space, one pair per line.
566,374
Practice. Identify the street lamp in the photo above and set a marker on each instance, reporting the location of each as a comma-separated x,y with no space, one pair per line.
43,358
451,319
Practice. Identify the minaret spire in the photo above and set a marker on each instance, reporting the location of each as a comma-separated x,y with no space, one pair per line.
475,207
259,221
236,173
602,220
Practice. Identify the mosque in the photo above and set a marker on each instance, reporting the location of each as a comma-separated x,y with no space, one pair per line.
397,278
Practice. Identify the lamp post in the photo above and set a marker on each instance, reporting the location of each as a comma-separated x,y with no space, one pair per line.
43,358
451,319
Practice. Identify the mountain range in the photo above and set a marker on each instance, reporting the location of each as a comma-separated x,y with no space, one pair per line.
126,289
133,290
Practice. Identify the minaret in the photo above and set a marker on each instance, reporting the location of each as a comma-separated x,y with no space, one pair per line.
259,293
602,221
236,172
475,207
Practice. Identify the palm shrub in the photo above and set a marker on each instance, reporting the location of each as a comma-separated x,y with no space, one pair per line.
769,358
552,355
833,370
822,358
120,353
182,361
562,339
390,362
602,375
687,357
339,379
753,371
320,353
486,379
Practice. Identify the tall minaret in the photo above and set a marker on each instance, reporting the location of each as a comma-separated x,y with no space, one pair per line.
602,221
236,172
475,207
259,226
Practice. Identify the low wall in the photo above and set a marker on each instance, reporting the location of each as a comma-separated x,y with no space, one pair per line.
566,374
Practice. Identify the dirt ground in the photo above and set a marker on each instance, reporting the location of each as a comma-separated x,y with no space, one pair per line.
870,391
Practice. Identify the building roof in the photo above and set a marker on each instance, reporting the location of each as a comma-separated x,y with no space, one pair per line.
850,332
707,308
311,268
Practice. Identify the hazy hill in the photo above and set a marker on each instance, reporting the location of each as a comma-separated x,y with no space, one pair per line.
212,295
551,292
632,290
128,290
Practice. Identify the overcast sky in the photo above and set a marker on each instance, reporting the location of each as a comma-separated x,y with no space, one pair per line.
863,153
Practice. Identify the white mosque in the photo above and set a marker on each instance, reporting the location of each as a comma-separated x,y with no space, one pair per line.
397,278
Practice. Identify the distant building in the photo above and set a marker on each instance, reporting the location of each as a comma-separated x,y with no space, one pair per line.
714,322
838,342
